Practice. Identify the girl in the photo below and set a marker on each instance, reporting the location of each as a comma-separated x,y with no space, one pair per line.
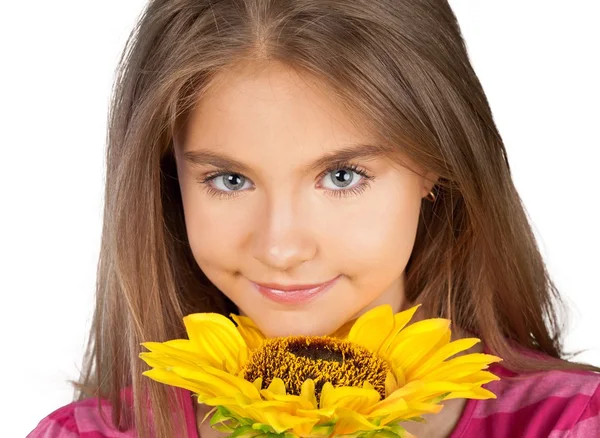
260,148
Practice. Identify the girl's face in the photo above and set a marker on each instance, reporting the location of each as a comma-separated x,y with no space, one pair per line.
265,202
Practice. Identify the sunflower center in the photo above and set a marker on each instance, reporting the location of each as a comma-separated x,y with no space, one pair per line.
295,359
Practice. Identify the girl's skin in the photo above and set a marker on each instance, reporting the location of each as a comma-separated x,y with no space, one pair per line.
278,222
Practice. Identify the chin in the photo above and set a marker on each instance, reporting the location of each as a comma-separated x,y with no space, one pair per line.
299,323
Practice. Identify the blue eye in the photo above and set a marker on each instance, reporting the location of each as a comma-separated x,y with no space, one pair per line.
341,175
231,181
342,178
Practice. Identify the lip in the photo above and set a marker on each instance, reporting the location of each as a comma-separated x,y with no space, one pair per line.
293,294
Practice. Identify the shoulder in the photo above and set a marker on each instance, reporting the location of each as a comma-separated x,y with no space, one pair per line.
59,424
92,418
89,418
554,403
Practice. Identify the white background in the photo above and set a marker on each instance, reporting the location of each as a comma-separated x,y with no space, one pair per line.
537,60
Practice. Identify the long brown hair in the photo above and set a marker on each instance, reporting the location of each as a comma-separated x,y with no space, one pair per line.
400,65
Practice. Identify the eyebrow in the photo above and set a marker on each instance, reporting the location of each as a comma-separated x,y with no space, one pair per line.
201,157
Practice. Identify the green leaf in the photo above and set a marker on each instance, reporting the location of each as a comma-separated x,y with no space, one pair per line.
381,433
265,428
219,417
417,419
439,398
376,421
223,428
323,429
245,421
398,430
245,432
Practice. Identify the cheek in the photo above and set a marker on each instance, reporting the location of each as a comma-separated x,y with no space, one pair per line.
379,236
211,228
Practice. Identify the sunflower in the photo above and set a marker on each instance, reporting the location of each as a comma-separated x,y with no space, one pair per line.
365,379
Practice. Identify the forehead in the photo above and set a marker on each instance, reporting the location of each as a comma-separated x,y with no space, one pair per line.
272,102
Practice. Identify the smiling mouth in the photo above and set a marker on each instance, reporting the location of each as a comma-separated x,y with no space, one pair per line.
293,287
293,294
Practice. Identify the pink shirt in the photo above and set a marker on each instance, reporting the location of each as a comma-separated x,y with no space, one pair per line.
554,404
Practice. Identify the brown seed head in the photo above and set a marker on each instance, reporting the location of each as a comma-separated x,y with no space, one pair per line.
295,359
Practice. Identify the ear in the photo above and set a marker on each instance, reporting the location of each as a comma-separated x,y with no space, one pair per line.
429,181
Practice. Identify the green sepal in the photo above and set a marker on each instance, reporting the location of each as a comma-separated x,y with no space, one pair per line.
221,415
273,435
395,431
246,432
398,430
323,429
379,433
225,421
439,398
222,428
264,428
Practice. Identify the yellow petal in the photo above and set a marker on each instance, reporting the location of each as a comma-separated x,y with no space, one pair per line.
413,410
325,391
233,404
400,321
401,410
412,394
418,408
444,353
394,403
178,349
158,360
350,422
229,384
218,338
291,403
249,331
350,397
459,366
398,374
277,386
323,414
305,428
216,386
411,345
422,327
169,378
279,420
373,327
307,392
420,390
428,344
478,378
258,383
391,384
247,388
475,393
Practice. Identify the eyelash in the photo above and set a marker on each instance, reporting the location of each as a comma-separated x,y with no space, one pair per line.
341,193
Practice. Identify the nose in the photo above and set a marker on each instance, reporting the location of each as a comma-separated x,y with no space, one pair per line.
282,238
